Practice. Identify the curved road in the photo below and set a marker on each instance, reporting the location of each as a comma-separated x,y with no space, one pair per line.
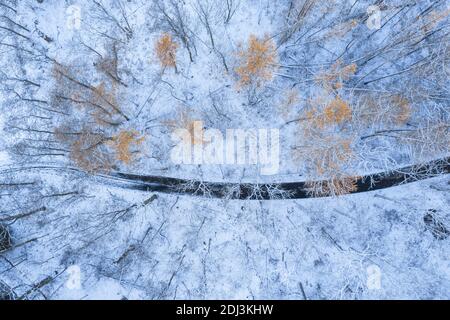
252,191
289,190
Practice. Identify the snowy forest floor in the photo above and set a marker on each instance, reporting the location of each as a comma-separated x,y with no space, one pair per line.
346,89
377,245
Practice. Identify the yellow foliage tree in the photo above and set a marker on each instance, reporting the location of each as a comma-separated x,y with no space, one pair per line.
100,101
329,154
257,61
86,148
337,111
166,50
327,158
325,114
384,110
123,143
326,148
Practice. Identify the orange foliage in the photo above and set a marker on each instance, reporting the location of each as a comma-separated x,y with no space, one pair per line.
337,111
327,158
86,149
330,155
166,50
333,187
91,136
123,142
326,148
100,102
257,62
386,110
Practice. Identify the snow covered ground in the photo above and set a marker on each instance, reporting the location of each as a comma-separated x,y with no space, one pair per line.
374,245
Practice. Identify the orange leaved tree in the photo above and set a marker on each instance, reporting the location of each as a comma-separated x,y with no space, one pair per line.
256,62
166,50
125,143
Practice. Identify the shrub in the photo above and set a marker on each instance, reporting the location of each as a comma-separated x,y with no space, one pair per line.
257,62
123,143
166,50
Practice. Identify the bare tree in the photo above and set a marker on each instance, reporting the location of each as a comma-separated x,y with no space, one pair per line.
205,12
230,6
174,18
